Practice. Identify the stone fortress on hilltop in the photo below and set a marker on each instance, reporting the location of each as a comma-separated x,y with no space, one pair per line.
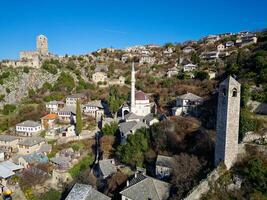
32,59
227,128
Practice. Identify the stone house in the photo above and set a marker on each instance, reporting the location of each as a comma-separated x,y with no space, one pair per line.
67,114
130,127
220,47
94,109
186,103
71,100
85,192
212,38
54,106
9,142
144,58
188,49
210,56
189,67
30,145
248,39
28,128
143,187
168,52
49,121
150,119
229,44
7,170
172,72
30,160
126,57
117,81
99,77
106,168
164,166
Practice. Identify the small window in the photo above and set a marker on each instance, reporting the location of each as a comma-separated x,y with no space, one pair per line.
234,92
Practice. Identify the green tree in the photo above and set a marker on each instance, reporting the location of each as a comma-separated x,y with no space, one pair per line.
135,148
110,129
115,100
201,75
195,58
79,122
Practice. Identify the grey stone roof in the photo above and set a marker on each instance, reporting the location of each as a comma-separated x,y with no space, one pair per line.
107,167
60,160
164,161
130,116
149,117
85,192
126,127
71,109
31,141
78,95
7,138
35,158
29,123
95,104
143,188
45,148
230,81
191,97
7,168
54,102
101,68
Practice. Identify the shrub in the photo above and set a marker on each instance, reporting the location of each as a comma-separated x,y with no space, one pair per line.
51,68
110,129
201,75
2,97
81,166
248,123
51,194
65,82
8,90
26,70
9,108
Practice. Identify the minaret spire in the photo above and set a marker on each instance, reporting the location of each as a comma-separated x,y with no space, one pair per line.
132,87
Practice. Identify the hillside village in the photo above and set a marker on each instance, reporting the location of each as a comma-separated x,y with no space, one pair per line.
144,122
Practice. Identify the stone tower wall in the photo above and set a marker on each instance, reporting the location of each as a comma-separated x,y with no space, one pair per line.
42,44
227,128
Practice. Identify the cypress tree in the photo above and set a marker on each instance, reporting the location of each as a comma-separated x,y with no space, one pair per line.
79,122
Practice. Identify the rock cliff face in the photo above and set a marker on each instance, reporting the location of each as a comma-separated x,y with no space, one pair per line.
18,83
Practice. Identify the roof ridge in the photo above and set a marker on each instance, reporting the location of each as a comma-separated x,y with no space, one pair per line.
135,183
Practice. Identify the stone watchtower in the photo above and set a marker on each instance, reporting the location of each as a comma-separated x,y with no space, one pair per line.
42,44
227,127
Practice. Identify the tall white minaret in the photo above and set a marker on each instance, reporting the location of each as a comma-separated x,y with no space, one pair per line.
132,87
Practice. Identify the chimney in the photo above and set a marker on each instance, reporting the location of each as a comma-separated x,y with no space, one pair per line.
127,183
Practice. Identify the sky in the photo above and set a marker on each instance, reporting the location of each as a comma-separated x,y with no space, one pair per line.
83,26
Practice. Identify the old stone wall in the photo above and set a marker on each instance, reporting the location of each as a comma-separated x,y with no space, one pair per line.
205,185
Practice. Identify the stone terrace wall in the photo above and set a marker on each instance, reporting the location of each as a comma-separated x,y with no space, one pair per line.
204,186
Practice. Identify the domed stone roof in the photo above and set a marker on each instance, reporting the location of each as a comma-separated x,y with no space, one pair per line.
140,95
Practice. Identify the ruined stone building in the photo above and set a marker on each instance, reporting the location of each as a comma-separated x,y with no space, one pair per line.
42,45
227,128
32,58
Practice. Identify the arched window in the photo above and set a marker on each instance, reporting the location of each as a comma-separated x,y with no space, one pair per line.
234,93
